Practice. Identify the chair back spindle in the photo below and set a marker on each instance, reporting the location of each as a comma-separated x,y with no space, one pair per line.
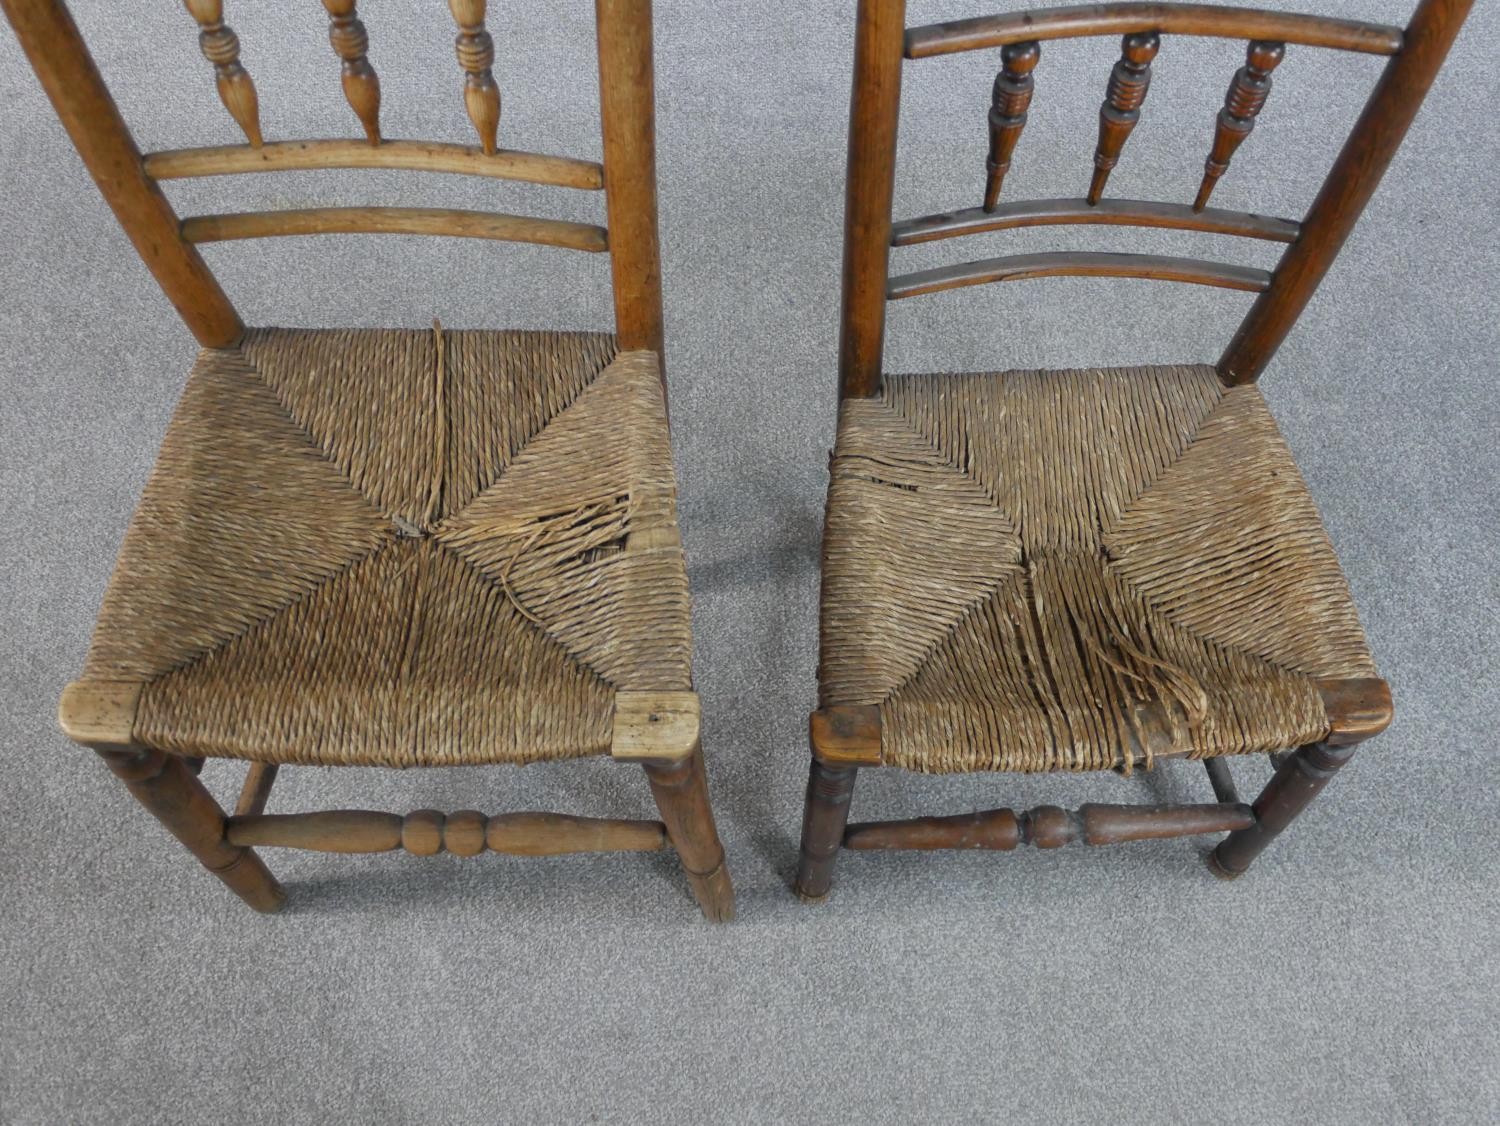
1009,105
221,46
1414,54
351,43
476,55
129,179
1129,82
1248,91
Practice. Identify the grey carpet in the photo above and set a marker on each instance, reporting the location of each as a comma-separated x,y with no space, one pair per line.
1353,977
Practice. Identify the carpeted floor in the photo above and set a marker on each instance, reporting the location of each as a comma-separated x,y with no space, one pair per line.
1353,977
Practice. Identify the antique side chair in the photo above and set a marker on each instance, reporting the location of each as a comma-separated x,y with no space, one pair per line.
1093,569
396,548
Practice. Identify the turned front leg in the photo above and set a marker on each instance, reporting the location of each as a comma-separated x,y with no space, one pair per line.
1297,781
170,790
681,792
829,792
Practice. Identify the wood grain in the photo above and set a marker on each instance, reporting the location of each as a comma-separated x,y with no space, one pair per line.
1220,21
414,156
1107,212
1057,264
396,221
874,114
427,832
1049,826
627,105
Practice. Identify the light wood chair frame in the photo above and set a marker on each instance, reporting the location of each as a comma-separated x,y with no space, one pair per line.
658,731
846,739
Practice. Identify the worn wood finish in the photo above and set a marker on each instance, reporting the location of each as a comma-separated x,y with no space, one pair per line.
1049,826
351,43
848,736
873,118
412,156
1248,91
1107,212
427,832
1009,103
1296,783
1129,82
476,55
680,788
627,103
1357,709
654,726
256,791
67,73
396,221
221,47
1055,264
1220,21
174,796
1355,175
830,789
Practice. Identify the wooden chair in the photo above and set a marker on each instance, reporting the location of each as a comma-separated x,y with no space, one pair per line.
1097,569
396,548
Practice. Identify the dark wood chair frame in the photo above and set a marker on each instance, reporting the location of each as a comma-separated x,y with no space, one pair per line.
657,731
845,739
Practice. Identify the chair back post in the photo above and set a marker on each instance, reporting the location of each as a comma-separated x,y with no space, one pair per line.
72,82
1355,175
627,103
874,115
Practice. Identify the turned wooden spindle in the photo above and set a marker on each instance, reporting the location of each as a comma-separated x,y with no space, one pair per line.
1012,98
1247,95
476,54
428,832
346,32
1050,826
1128,83
221,46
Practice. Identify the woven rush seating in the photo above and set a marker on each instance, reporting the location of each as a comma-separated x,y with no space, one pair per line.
1077,570
402,548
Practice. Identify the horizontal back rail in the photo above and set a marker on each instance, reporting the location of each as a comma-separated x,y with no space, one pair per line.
1210,20
396,221
410,156
1107,212
1071,264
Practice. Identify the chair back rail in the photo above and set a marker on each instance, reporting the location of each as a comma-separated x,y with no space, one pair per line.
1415,54
128,178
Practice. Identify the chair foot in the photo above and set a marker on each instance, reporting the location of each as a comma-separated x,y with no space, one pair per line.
168,787
1297,781
1211,858
829,791
681,792
714,893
